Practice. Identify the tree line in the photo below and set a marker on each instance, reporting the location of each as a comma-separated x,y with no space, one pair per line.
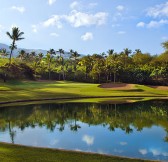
125,66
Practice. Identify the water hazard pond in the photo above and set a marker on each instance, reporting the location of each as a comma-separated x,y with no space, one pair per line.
137,130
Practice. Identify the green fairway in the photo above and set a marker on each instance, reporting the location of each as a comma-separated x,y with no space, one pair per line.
32,90
27,90
15,153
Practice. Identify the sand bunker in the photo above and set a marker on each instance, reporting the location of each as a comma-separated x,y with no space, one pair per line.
117,86
160,87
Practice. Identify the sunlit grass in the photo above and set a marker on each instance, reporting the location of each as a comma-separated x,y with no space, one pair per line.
31,90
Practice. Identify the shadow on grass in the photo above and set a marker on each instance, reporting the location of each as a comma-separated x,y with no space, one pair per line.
21,85
132,90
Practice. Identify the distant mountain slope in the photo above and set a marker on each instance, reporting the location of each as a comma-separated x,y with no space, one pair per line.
4,46
15,52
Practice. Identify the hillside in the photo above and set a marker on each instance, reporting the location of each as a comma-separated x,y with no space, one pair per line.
15,52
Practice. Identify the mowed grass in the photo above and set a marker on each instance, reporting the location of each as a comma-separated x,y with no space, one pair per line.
31,90
15,153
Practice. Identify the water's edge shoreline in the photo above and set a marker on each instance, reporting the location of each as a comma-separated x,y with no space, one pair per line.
81,97
73,98
73,151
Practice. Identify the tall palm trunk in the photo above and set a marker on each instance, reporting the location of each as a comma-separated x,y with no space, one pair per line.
12,47
75,69
49,71
62,72
114,77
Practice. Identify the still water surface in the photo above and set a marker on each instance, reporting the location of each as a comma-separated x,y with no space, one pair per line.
137,130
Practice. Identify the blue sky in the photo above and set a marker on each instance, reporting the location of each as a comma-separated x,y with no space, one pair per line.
88,26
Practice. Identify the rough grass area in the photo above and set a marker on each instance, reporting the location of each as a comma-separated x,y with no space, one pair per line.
15,153
31,90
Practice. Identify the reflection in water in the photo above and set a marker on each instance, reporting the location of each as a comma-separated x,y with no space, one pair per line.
88,139
134,130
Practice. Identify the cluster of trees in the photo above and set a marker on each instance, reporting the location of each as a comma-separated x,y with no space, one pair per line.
125,66
126,117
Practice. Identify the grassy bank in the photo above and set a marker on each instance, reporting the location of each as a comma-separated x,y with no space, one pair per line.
31,90
15,153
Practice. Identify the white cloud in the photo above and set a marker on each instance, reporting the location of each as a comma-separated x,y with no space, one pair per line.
158,10
143,151
156,152
50,2
34,28
53,21
74,5
19,9
54,142
123,143
77,19
88,139
120,8
141,24
54,34
165,153
121,32
87,36
155,24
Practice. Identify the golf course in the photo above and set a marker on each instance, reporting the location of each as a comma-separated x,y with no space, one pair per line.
84,81
15,91
26,92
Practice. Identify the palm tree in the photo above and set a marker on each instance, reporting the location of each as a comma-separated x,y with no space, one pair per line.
22,54
61,58
32,55
74,55
16,35
75,127
137,51
4,52
110,51
126,54
165,45
40,55
50,56
87,63
127,51
113,64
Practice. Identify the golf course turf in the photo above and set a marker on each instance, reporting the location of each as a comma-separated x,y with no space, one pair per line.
34,91
45,90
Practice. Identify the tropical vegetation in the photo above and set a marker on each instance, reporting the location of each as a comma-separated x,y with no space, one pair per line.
125,66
